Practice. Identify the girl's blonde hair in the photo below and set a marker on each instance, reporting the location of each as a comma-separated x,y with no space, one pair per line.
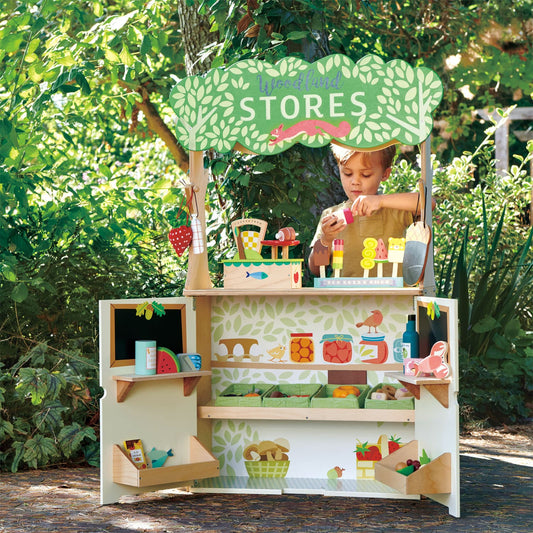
343,155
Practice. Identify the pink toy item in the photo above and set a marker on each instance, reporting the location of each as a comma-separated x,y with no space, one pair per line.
434,362
338,256
348,216
409,366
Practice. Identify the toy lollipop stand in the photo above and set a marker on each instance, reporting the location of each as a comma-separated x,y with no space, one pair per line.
374,253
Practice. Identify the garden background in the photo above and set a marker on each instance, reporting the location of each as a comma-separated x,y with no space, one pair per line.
91,180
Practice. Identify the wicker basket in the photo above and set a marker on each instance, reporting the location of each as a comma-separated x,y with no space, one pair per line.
267,468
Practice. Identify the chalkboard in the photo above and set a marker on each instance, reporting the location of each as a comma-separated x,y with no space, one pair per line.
126,327
431,330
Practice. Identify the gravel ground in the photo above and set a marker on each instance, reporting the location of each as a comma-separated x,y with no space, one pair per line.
496,491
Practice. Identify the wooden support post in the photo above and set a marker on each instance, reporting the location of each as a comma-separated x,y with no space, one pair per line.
198,270
428,283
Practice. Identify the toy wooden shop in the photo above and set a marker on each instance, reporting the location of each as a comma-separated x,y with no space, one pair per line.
264,386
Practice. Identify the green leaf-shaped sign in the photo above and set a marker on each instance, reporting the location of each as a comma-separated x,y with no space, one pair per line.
267,108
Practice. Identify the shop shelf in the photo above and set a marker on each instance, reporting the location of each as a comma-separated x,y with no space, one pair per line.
201,465
432,478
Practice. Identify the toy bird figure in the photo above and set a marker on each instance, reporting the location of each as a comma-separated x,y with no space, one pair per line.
373,321
277,353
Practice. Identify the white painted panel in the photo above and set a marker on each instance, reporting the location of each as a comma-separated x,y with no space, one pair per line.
155,412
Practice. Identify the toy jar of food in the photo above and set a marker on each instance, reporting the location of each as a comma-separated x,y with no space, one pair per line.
337,348
373,348
302,348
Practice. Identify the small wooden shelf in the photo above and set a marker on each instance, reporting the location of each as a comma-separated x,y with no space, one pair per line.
305,413
433,478
437,387
127,381
306,291
201,465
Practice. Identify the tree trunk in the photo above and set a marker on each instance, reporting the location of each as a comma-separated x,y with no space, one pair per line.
195,31
196,35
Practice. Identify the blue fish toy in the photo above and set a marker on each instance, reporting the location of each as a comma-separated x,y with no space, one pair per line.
158,457
257,275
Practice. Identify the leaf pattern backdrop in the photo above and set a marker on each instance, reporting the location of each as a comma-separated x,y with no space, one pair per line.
271,320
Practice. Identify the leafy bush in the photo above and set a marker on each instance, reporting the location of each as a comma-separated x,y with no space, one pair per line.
496,355
269,188
483,258
90,234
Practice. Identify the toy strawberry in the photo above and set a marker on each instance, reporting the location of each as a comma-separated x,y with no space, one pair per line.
181,237
367,453
394,443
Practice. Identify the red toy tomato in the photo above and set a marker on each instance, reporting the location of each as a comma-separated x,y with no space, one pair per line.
367,453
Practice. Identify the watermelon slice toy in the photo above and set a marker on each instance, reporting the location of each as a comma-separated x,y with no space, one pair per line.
167,361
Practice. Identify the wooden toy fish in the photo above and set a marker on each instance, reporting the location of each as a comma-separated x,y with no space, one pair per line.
257,275
158,457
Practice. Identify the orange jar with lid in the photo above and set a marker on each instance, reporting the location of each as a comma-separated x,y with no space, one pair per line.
374,348
302,348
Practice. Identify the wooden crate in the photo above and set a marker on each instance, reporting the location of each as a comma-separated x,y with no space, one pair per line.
432,478
265,274
201,465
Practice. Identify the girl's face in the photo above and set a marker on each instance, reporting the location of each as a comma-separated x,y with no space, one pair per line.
362,174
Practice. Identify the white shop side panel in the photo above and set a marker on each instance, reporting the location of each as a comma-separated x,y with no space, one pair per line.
156,412
437,427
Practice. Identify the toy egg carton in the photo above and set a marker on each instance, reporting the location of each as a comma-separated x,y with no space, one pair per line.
238,349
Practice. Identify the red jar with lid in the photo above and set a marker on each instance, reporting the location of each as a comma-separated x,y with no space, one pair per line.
337,348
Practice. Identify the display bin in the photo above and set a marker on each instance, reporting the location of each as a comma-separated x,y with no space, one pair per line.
227,398
324,398
201,464
405,403
432,478
298,395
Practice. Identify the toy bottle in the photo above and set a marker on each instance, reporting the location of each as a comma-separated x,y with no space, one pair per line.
410,339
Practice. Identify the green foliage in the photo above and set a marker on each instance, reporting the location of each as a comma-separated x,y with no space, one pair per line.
491,338
84,192
269,188
483,258
87,195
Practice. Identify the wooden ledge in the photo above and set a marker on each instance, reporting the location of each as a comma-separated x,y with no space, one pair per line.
438,388
190,379
306,291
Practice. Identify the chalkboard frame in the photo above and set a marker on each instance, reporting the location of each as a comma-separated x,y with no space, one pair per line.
432,330
116,360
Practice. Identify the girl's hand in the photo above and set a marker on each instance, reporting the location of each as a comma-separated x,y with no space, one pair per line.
331,227
366,205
